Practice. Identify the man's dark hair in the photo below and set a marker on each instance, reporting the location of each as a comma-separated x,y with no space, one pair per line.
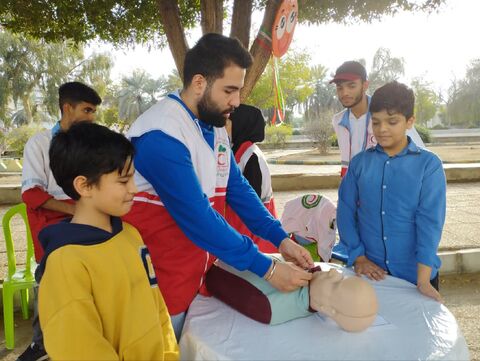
211,55
90,150
393,97
75,92
349,71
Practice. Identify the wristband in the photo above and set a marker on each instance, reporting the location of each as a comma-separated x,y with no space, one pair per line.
270,275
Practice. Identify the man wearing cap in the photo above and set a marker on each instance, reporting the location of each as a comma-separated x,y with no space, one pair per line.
352,125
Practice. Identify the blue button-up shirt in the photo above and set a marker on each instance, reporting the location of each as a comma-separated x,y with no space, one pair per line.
392,209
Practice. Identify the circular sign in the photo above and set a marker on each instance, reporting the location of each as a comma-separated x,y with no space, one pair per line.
283,27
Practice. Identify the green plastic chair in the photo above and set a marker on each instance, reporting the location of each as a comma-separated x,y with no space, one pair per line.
17,279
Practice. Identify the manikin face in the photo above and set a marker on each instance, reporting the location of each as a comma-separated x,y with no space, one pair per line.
350,302
74,113
327,284
113,195
390,131
351,92
221,97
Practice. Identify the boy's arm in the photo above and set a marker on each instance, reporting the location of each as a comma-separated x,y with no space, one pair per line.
423,283
35,180
430,214
72,328
34,176
346,216
59,206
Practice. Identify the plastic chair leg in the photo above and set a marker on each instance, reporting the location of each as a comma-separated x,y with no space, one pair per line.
24,296
8,318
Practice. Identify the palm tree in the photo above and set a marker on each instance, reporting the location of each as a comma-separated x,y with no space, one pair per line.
138,92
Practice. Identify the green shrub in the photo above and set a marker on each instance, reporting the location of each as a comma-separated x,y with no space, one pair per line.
424,133
278,135
3,142
334,140
17,138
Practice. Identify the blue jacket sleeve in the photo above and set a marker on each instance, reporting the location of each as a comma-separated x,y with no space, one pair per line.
166,163
347,216
430,214
245,202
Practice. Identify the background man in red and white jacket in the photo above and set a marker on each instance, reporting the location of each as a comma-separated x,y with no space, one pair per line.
352,125
46,202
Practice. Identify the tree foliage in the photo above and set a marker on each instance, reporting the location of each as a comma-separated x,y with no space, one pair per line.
138,93
158,22
348,11
32,70
323,98
463,106
295,80
385,68
426,101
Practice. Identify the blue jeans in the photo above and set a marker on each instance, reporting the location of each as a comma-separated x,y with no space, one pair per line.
177,322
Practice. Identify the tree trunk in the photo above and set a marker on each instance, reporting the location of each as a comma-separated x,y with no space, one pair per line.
211,16
261,48
177,42
27,109
242,21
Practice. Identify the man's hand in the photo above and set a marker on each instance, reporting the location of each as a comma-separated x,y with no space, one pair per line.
288,277
428,290
363,266
293,252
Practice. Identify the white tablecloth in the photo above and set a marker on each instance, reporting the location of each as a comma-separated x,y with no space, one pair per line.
409,327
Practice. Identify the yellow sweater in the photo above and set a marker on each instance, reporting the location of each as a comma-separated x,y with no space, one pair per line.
101,302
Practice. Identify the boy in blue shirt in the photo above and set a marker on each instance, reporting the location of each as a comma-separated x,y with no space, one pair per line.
391,206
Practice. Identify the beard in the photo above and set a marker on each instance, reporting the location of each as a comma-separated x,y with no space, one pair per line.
358,98
210,113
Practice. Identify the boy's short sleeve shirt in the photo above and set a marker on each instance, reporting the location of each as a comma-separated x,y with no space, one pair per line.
400,208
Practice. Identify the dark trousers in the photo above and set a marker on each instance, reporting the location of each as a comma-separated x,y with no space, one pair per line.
434,282
37,331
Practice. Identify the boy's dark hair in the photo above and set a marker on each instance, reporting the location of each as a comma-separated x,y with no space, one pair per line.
75,92
211,55
394,97
90,150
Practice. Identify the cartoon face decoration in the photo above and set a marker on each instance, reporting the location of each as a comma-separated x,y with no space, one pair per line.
283,27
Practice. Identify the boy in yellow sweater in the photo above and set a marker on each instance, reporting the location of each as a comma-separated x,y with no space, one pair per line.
98,296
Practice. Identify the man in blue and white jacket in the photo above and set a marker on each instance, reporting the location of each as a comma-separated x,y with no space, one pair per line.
185,172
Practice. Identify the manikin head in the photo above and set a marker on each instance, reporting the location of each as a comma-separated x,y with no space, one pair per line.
351,302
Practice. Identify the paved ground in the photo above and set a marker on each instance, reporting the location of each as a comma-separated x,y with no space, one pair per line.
453,153
463,214
460,231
